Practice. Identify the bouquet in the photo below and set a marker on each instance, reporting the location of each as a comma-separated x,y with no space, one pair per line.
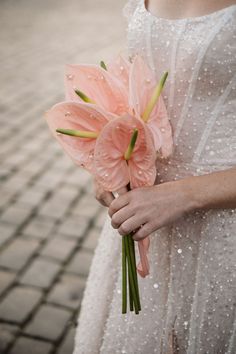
114,123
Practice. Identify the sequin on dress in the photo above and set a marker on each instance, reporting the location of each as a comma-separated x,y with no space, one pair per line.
189,298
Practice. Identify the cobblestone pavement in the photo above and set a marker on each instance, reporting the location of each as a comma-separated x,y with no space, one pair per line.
49,219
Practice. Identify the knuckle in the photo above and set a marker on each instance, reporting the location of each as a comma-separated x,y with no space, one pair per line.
142,232
123,230
114,221
111,210
147,229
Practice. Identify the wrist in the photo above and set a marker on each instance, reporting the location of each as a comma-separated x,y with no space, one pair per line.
192,193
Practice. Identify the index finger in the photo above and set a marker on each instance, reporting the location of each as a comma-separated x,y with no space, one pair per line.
118,203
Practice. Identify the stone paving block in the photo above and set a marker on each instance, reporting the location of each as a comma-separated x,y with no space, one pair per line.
91,239
5,172
63,162
6,232
32,197
15,183
80,263
16,214
33,167
40,273
101,218
86,207
58,248
39,227
79,178
6,279
17,253
67,345
49,322
50,180
7,335
17,158
56,206
74,226
6,196
68,291
25,345
19,303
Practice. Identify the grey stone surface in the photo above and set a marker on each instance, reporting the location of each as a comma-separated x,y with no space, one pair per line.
6,279
68,343
26,345
74,226
49,322
8,333
19,303
91,239
47,207
16,214
80,263
68,291
59,248
6,232
41,273
39,227
17,253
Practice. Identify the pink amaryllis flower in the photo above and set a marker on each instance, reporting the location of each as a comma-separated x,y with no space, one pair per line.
99,85
143,95
112,170
76,126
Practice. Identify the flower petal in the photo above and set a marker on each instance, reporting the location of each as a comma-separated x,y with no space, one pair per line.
159,118
78,116
141,85
119,66
143,265
111,170
99,85
139,96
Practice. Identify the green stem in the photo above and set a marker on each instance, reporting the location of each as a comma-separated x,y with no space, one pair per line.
124,278
131,300
133,260
131,275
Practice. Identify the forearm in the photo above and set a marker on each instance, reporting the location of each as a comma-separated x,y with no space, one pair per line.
212,191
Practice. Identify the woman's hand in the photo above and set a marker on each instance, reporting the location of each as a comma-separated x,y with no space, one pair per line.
105,197
149,208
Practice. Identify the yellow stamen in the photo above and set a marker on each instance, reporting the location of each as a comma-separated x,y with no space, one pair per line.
154,98
131,145
84,97
103,65
78,133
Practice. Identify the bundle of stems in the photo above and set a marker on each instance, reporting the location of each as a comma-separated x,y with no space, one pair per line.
129,273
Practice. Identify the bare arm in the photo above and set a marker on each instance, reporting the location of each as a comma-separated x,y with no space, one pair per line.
214,190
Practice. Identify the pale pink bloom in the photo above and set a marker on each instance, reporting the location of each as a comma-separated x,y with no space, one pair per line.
77,116
142,83
120,68
101,86
111,169
124,88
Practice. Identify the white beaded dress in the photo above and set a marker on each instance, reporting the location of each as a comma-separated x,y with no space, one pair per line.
189,298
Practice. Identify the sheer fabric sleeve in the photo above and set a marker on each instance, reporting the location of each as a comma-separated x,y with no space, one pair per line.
129,9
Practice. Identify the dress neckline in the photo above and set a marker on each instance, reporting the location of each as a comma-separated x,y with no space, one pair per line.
189,19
